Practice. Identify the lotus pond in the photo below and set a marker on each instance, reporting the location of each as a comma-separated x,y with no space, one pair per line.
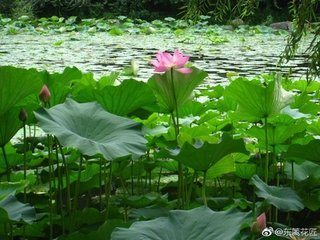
180,153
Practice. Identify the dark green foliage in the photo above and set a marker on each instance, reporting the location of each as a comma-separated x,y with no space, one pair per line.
306,17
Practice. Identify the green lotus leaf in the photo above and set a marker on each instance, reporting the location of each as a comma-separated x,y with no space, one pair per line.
201,157
125,98
181,89
59,84
305,171
10,188
16,84
13,210
257,101
9,125
92,130
310,151
102,232
283,198
279,131
199,223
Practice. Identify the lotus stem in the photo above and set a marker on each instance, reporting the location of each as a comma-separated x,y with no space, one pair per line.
100,183
108,190
131,173
50,189
292,175
24,169
6,162
24,161
190,189
159,178
75,206
175,120
204,188
266,175
60,187
67,177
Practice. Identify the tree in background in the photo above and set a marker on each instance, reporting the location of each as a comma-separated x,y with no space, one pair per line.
306,16
304,13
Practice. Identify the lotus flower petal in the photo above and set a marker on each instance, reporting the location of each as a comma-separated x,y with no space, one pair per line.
165,61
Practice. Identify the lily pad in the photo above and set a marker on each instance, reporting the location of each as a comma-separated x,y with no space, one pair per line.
201,157
92,130
199,223
257,101
13,210
283,198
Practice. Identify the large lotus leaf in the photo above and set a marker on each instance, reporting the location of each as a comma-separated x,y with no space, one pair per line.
201,157
283,198
142,201
59,84
310,151
9,125
257,101
278,132
245,170
226,165
13,210
103,232
305,171
10,188
177,90
16,84
92,130
314,127
125,98
199,223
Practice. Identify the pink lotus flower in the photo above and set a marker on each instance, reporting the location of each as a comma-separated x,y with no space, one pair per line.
45,94
165,61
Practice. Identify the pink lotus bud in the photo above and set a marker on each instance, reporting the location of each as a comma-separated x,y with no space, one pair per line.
260,224
45,94
23,115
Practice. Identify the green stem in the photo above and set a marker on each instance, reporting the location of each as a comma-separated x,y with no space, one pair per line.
24,160
159,178
266,175
75,206
131,173
204,188
190,189
176,124
67,177
6,232
6,162
100,184
108,190
60,188
50,189
292,174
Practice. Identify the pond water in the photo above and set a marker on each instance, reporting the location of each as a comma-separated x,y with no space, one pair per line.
246,54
